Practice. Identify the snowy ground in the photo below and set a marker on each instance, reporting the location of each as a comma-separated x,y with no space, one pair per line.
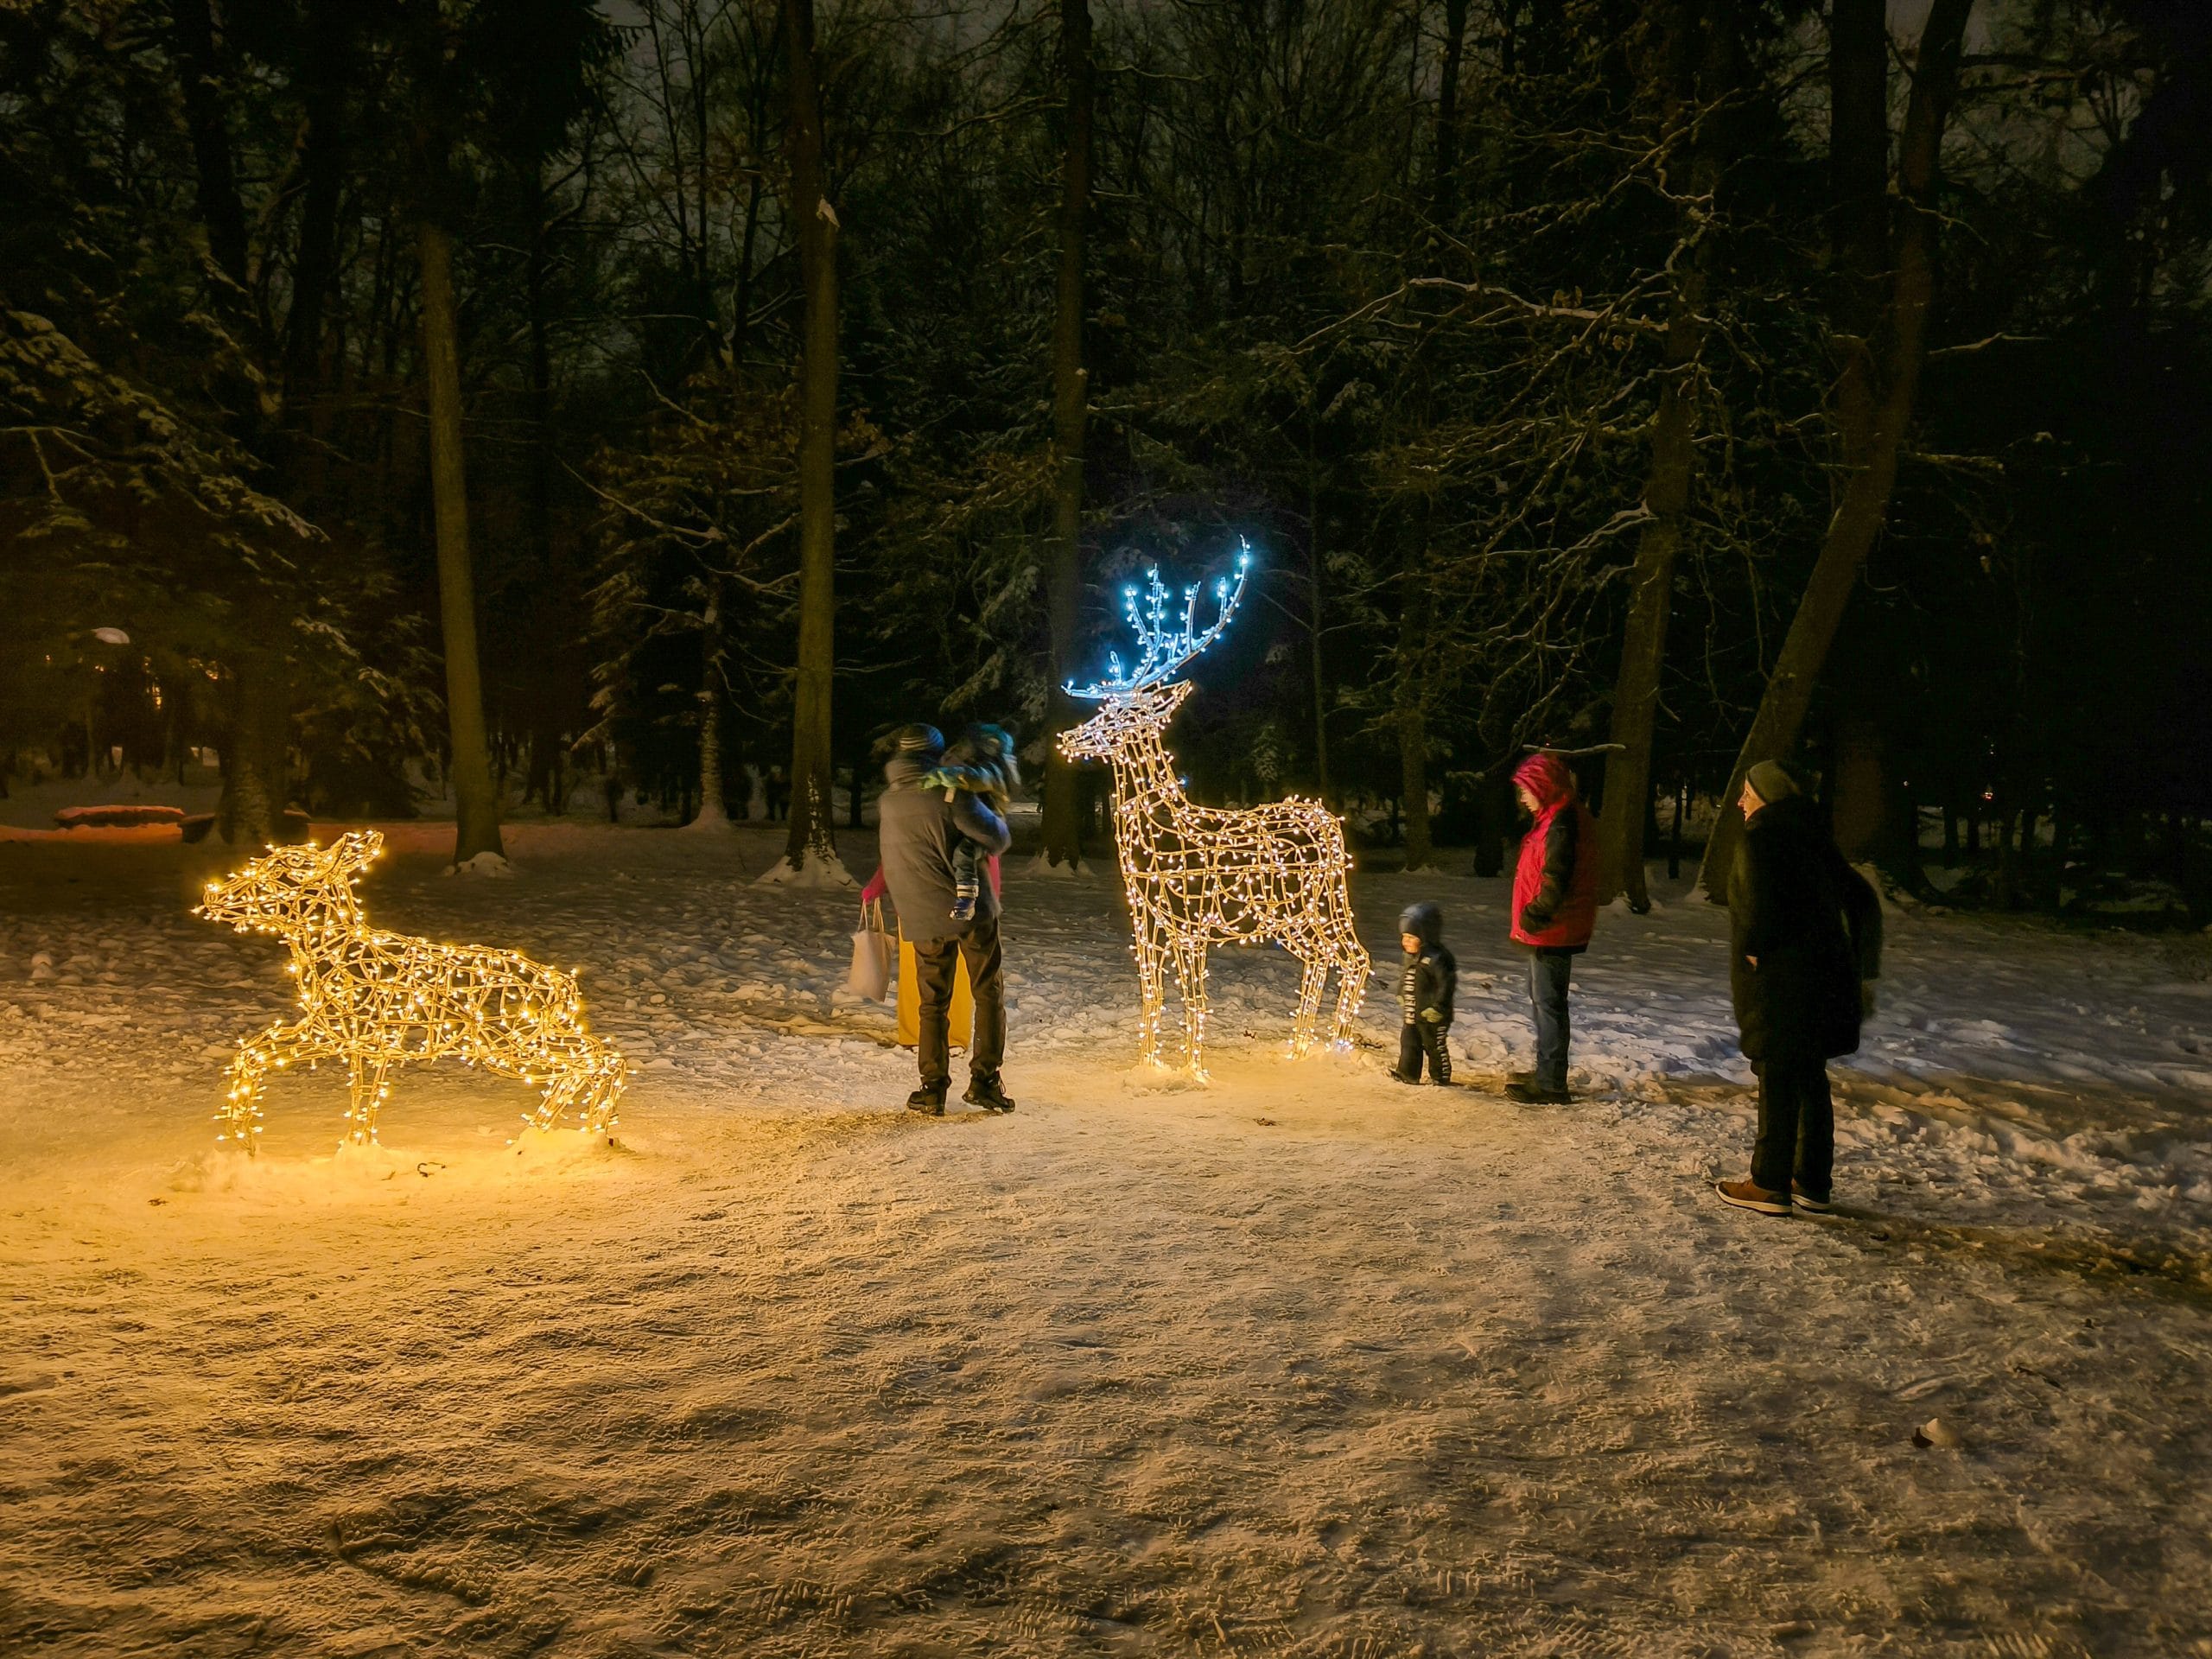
1303,1363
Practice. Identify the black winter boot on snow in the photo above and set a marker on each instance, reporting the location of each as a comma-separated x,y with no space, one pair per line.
928,1101
1535,1094
986,1092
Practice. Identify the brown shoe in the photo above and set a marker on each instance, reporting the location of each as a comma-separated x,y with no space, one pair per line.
1747,1195
1805,1200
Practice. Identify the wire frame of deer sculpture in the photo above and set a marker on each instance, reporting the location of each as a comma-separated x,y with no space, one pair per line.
376,1001
1199,876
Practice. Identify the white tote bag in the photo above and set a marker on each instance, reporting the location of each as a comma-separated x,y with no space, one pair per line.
874,950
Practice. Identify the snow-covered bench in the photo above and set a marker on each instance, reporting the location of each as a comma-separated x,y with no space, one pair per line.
116,818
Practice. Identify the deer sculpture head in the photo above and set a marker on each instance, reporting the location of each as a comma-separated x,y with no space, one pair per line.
1144,697
278,891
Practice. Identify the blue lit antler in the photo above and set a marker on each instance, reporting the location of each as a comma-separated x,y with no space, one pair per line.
1165,649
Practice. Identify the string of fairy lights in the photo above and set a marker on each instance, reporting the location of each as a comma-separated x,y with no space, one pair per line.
1198,876
376,1001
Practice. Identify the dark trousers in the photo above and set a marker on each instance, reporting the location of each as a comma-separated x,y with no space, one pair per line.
1424,1036
936,962
1548,972
1796,1125
967,860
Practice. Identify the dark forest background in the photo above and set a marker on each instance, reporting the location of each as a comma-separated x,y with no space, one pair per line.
531,395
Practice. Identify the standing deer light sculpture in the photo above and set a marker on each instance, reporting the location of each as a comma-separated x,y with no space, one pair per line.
1199,876
380,1000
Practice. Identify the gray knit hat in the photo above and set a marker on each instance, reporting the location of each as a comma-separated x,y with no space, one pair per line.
1771,781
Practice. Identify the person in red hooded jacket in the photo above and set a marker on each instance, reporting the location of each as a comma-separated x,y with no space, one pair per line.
1554,907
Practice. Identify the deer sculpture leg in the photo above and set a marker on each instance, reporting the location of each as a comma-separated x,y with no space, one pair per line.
1152,953
601,1087
585,1077
1191,981
369,1103
1312,982
1352,962
274,1048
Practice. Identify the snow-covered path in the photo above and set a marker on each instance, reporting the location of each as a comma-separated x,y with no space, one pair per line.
1302,1362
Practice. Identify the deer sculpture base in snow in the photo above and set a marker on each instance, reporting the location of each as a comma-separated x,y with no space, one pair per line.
376,1001
1201,876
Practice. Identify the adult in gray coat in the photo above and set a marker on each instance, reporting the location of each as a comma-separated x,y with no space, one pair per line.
918,829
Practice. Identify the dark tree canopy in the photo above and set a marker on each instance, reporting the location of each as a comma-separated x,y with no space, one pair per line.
1541,350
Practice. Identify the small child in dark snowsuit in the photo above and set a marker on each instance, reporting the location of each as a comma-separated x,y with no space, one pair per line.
1424,994
982,761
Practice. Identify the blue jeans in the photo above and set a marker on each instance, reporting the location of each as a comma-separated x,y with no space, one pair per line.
1547,976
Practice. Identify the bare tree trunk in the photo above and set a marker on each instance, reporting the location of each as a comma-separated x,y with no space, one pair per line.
1444,178
1314,568
257,782
1062,823
1696,58
813,831
714,811
712,815
1644,647
221,209
1411,715
476,827
1859,515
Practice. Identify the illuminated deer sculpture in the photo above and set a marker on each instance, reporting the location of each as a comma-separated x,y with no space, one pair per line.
1199,876
380,1000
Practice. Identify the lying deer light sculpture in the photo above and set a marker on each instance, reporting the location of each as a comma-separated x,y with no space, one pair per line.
1197,875
380,1000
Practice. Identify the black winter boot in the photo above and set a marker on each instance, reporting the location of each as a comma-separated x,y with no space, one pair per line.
984,1090
927,1101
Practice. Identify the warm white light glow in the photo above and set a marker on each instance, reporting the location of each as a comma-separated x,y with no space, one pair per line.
380,1000
1199,876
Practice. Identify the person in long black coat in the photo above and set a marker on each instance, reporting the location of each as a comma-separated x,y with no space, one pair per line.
1805,942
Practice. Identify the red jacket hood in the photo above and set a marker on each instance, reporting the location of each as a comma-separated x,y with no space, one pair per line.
1547,778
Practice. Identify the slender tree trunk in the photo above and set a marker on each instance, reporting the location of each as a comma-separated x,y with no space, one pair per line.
1858,214
548,634
1411,715
1643,650
712,814
257,782
856,802
221,210
1063,825
1695,61
1859,515
713,810
1675,835
1444,178
812,836
541,372
476,827
1313,568
741,324
315,269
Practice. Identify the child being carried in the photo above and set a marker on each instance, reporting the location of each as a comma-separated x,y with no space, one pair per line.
982,761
